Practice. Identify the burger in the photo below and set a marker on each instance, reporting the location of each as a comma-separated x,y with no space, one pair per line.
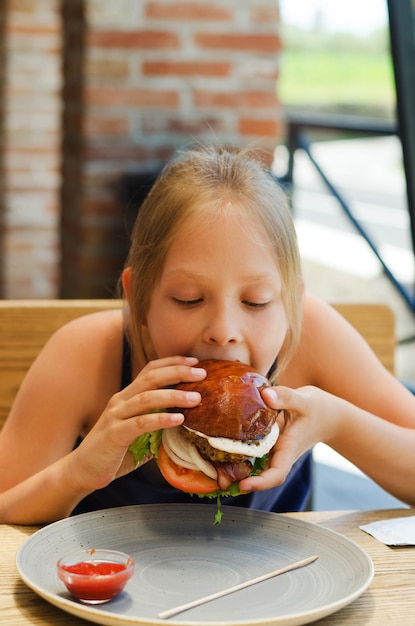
224,439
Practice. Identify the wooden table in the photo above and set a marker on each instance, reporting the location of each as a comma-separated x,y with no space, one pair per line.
389,600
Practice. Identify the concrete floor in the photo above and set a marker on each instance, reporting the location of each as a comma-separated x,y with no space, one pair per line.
338,265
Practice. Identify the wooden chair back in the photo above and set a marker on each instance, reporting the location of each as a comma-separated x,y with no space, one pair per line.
376,323
26,325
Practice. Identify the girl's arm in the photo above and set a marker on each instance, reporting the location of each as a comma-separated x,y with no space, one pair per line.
347,399
72,391
381,449
53,492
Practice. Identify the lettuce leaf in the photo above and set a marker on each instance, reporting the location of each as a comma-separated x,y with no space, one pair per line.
259,465
146,444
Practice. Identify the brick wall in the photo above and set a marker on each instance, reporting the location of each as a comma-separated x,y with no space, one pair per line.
141,78
30,147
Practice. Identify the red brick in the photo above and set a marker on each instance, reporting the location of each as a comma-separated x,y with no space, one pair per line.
268,14
186,68
107,68
183,126
261,128
109,96
30,150
195,127
107,126
120,155
138,40
34,30
241,41
188,11
254,99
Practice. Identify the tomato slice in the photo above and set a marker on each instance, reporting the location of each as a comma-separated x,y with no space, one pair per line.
191,481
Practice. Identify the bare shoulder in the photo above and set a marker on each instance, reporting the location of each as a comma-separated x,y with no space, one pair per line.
321,324
330,349
99,330
320,316
332,355
90,347
80,365
321,319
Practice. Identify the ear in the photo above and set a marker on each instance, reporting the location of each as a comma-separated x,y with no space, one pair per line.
126,282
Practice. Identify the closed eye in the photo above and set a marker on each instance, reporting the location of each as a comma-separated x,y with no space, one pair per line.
187,303
256,305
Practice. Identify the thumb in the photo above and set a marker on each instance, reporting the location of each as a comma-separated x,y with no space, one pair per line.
286,398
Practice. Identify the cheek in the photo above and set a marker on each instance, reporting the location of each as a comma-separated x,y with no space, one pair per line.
278,340
269,337
277,323
165,334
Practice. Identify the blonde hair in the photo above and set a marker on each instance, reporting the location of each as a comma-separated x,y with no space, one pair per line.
202,181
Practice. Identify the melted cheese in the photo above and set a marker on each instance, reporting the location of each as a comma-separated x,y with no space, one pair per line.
255,448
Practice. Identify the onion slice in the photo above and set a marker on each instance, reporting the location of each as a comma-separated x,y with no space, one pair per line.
176,453
185,453
204,466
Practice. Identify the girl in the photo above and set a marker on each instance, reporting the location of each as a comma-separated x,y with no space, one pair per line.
213,272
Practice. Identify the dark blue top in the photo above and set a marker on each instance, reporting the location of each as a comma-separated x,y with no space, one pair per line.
142,487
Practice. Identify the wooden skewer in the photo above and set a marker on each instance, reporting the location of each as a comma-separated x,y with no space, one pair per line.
225,592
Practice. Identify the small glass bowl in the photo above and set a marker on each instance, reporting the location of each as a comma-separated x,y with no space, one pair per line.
95,576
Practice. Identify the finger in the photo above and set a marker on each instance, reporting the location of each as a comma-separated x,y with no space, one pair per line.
171,360
293,400
272,477
157,400
275,475
287,451
120,434
166,376
156,421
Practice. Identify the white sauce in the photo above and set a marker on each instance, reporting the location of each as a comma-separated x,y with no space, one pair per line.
257,448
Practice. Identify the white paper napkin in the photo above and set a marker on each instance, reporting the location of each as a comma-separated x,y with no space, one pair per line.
399,531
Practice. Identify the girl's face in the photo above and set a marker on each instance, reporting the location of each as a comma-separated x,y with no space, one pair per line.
219,295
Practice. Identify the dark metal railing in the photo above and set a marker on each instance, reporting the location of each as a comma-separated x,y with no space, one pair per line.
297,138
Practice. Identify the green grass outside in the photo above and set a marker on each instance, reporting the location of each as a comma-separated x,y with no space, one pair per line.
330,75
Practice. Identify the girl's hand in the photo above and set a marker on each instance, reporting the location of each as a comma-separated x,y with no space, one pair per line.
103,454
305,418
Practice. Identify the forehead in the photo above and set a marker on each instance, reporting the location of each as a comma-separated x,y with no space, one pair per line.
229,216
222,242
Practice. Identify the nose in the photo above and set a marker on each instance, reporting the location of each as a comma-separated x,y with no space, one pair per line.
222,326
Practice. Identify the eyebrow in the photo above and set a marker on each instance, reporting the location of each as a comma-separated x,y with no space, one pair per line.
253,278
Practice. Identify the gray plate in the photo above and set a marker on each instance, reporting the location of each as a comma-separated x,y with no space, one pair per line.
180,556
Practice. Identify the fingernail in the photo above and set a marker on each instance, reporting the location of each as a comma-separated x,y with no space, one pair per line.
272,394
192,396
176,418
198,371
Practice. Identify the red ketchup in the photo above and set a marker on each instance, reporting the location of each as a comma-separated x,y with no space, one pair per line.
96,581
